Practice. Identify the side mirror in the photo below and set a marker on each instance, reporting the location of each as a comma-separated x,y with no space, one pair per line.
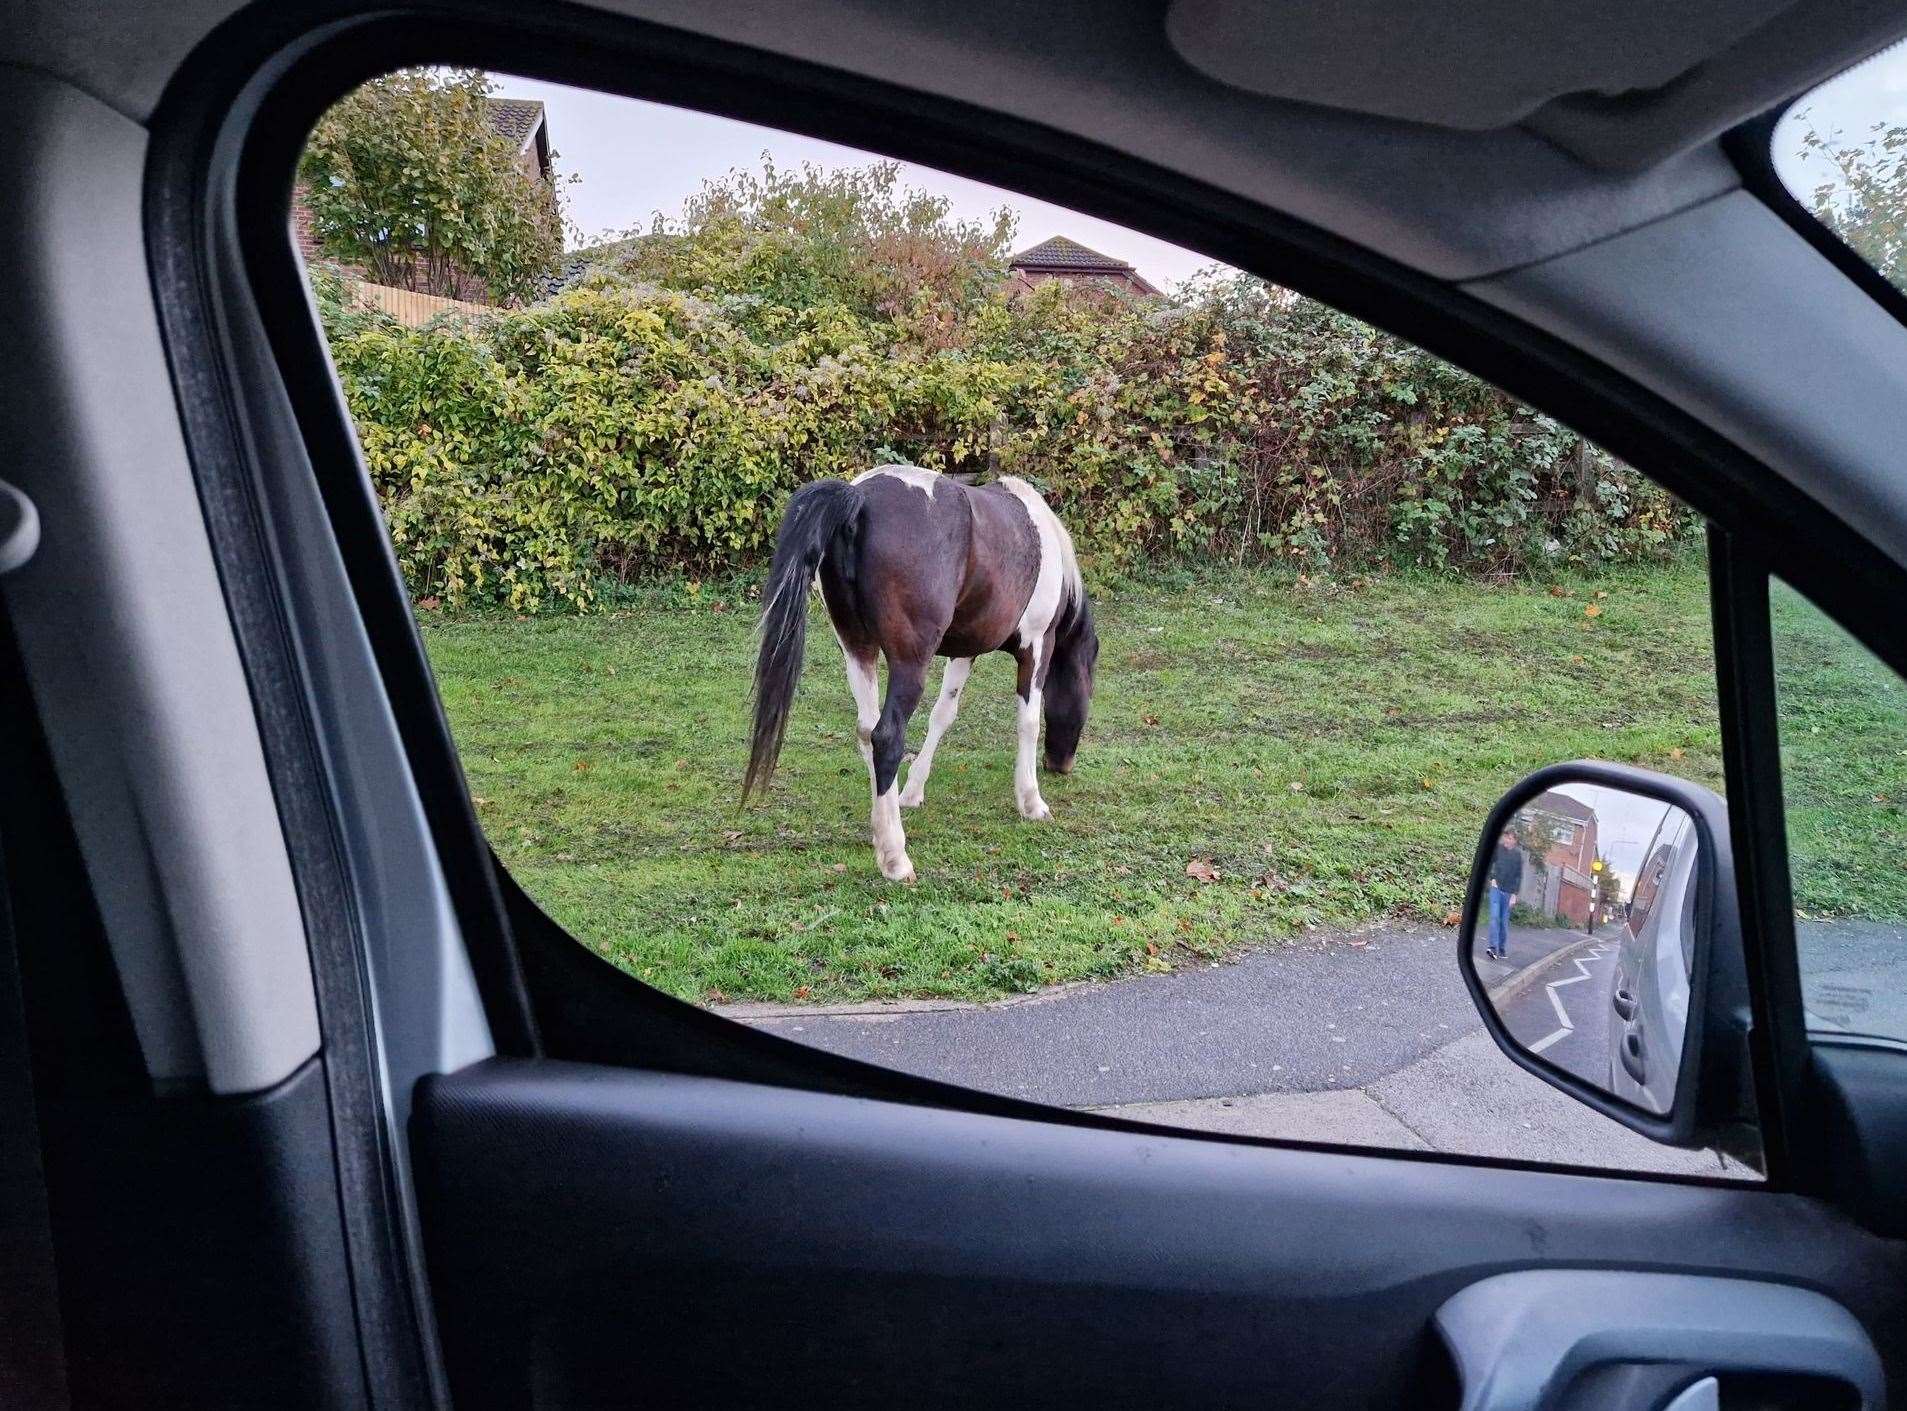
1601,942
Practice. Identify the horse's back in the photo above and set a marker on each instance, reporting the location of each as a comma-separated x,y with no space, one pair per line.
914,538
939,567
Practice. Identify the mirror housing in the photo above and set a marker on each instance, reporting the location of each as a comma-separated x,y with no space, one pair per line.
1713,1095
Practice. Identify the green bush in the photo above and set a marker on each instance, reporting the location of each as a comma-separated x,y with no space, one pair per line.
657,414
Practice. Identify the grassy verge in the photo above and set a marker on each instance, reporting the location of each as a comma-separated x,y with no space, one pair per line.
1329,751
1843,767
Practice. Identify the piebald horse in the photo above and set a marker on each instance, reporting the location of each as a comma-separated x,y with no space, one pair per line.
912,565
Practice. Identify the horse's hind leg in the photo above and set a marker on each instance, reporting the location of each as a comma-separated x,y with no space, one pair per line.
864,681
905,679
945,709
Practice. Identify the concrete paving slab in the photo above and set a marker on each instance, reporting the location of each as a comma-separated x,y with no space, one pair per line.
1349,1118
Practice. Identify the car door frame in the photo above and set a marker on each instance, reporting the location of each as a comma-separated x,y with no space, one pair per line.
259,402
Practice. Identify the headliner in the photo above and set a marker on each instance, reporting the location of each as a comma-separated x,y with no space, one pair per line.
1507,134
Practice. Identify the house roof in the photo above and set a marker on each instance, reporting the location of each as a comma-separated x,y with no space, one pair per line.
1062,257
1061,253
1562,804
516,118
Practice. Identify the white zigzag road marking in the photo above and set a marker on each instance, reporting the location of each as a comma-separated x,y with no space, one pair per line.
1596,952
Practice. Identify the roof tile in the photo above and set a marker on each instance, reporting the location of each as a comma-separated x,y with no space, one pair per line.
1061,253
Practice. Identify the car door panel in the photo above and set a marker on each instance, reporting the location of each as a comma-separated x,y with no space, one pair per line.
605,1235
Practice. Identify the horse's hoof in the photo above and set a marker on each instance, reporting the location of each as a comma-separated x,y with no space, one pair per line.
903,872
1036,812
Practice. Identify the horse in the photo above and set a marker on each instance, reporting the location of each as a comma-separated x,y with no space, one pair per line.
913,564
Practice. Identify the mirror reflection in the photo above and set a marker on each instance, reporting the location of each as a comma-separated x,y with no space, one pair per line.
1585,937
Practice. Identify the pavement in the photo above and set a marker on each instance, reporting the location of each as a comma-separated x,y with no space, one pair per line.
1367,1038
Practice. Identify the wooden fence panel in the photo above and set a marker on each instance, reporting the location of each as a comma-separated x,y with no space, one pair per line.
409,308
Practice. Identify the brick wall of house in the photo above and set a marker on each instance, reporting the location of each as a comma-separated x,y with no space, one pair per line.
1027,279
301,230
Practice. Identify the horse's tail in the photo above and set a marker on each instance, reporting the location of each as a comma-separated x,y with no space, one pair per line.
820,518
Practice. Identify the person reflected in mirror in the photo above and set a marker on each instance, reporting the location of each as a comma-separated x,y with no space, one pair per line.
1506,878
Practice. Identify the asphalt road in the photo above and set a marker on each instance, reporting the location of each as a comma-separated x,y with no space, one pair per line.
1854,976
1361,1039
1332,1012
1366,1039
1564,1015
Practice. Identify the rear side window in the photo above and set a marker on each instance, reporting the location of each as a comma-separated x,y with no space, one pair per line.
1842,152
934,626
1843,719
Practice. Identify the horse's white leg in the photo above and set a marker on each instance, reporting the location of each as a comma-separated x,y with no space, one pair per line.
905,678
890,839
1026,778
890,843
864,681
946,707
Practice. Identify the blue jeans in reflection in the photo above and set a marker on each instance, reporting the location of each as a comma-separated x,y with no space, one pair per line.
1499,921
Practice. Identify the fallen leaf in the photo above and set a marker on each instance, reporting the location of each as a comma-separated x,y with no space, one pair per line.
430,604
582,766
1297,786
801,991
1149,719
1676,753
1426,783
1592,611
1152,947
1559,592
1202,869
1453,918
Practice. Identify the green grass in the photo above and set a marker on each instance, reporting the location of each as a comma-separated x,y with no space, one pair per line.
1843,720
1330,749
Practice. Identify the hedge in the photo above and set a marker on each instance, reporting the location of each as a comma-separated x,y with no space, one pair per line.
625,427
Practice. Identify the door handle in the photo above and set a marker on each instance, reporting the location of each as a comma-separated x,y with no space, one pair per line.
1631,1050
19,528
1705,1395
1544,1339
1625,1004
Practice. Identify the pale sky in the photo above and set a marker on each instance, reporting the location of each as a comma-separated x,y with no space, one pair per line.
1625,823
638,158
1870,92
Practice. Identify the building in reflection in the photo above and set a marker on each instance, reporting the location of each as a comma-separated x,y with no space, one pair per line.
1560,845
